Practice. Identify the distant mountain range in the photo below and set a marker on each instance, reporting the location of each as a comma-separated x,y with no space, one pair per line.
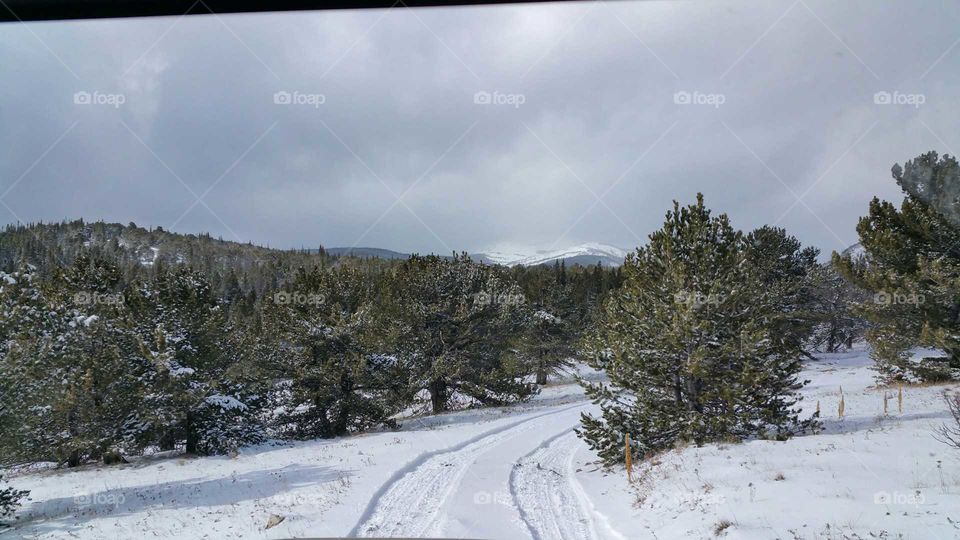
583,254
155,246
587,254
366,252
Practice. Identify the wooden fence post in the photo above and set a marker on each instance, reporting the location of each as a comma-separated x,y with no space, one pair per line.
840,406
629,458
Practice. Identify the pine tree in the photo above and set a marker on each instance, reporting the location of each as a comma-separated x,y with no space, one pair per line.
549,327
339,377
548,340
838,326
10,500
30,371
691,346
63,357
912,271
788,271
188,359
460,323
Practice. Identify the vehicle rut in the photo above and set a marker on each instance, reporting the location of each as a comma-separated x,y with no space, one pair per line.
410,503
552,503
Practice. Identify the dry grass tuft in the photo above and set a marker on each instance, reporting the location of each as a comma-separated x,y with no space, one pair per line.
721,526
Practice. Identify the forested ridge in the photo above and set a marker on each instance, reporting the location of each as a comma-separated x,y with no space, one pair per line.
120,340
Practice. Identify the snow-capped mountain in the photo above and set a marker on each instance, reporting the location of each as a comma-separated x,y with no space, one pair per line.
584,254
855,251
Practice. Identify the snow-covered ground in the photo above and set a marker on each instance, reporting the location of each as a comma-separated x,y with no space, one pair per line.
868,475
521,473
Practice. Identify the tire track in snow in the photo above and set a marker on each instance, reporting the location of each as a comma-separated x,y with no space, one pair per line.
409,503
552,503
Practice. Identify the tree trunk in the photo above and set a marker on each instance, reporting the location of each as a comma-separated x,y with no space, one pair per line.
167,441
954,358
542,374
694,385
677,390
191,435
343,415
832,342
74,459
438,395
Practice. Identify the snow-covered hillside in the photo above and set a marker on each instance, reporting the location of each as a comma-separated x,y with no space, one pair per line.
868,475
855,251
522,473
584,254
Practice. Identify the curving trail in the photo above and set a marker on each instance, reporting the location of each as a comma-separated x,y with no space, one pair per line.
552,502
430,497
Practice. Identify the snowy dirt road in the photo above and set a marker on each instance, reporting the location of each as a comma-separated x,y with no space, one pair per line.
520,472
515,481
552,502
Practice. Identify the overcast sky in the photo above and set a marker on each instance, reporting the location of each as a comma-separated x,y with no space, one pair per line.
583,138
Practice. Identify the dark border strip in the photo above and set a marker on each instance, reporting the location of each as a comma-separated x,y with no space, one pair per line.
51,10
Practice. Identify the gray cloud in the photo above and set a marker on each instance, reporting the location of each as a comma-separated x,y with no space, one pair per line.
598,82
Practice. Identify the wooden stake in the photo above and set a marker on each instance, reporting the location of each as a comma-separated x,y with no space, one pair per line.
886,397
900,399
840,407
629,458
816,429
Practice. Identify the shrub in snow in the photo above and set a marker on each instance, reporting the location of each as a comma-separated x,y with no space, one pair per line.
224,424
696,343
10,500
